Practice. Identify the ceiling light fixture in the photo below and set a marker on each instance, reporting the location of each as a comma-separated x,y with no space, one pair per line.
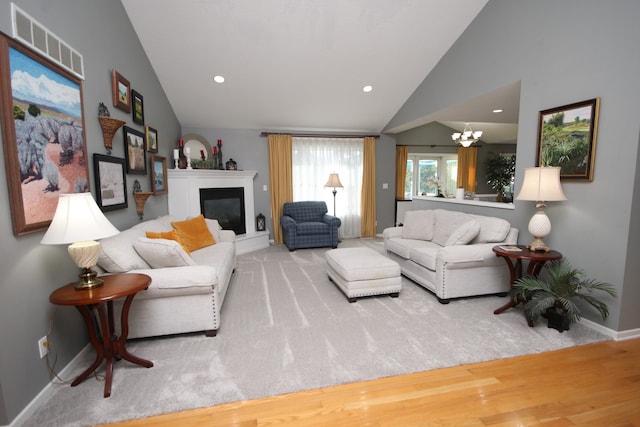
367,88
498,110
218,79
467,137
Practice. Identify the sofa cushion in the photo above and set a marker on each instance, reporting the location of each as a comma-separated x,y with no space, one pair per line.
418,225
117,254
446,222
168,235
492,229
194,233
311,228
214,228
425,256
402,247
464,233
160,253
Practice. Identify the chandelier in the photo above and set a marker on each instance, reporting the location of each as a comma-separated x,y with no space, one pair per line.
467,137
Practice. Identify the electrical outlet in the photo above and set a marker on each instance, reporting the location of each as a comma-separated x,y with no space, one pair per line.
43,346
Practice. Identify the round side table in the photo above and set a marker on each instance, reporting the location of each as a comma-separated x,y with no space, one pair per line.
513,256
91,304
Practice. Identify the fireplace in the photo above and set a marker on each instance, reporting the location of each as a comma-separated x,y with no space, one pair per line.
225,205
184,201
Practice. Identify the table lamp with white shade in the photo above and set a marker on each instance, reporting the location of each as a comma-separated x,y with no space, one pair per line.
541,184
79,221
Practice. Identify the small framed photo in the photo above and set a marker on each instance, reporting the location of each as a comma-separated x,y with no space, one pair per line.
567,138
158,174
134,151
121,91
152,139
111,182
138,107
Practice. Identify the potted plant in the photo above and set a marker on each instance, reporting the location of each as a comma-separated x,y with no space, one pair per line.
500,171
554,295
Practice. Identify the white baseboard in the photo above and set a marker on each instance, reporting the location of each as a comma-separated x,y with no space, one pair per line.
48,391
615,335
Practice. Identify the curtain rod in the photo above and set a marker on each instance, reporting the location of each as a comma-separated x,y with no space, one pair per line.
317,135
434,145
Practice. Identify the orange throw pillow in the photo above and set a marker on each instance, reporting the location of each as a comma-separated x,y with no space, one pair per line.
194,233
168,235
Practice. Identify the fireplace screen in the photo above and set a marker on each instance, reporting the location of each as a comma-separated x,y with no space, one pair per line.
226,205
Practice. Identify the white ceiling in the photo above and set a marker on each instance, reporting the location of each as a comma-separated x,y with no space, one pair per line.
295,64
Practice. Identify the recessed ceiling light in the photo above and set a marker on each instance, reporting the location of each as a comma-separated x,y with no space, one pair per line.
218,79
498,110
367,88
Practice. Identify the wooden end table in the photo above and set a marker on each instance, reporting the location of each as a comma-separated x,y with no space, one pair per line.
91,303
514,255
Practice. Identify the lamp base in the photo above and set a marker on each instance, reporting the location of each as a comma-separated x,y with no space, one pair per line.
538,246
88,279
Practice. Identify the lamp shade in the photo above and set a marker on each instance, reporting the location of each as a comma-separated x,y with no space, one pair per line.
77,218
541,184
334,181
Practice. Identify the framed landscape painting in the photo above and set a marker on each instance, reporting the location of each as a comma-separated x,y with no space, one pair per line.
43,135
138,107
567,138
120,91
111,182
158,174
135,151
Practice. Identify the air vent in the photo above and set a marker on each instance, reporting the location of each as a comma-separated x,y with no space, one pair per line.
33,34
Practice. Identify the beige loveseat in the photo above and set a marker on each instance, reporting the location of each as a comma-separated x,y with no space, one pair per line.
450,253
187,289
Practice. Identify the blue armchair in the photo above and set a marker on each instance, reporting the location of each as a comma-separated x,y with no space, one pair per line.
307,225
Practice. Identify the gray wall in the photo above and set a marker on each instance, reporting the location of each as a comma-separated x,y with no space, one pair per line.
562,52
101,32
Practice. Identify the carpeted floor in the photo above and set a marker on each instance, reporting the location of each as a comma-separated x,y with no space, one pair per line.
285,327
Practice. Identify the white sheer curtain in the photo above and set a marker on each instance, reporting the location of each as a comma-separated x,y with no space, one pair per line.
313,160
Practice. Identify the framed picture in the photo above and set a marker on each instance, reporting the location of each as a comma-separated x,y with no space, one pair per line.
43,135
152,139
121,91
158,174
111,182
138,107
134,151
567,138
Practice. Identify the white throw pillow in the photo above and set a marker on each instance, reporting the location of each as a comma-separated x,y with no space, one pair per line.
492,229
418,225
446,223
160,253
117,254
464,234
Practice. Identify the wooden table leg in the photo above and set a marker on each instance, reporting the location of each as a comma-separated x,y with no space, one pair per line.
108,348
120,347
515,270
93,339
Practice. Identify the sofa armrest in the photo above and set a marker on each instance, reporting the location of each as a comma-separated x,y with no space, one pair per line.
227,236
391,232
468,256
287,222
333,221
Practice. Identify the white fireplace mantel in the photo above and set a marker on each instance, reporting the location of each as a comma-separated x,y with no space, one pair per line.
184,199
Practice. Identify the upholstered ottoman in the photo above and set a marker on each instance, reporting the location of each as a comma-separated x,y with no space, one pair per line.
360,272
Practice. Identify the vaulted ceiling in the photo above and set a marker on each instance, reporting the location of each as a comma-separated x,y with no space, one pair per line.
295,64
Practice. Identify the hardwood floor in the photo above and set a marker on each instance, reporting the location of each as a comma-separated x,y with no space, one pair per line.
596,385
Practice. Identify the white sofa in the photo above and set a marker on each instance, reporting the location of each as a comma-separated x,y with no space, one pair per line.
186,291
450,253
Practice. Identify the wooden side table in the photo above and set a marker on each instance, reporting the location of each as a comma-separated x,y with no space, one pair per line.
514,255
91,303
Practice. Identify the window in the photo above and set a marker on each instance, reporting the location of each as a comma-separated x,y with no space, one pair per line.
314,159
422,169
